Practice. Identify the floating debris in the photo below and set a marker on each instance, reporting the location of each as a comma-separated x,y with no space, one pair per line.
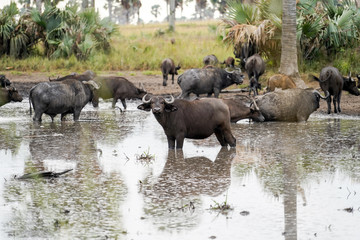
46,174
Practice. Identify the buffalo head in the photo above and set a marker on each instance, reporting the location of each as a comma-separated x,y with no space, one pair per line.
235,75
255,112
4,81
157,104
350,86
177,68
14,94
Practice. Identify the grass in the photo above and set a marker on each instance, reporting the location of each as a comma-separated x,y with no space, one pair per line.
143,47
136,48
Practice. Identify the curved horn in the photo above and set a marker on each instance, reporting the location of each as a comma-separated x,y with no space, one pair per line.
226,69
326,97
142,87
92,83
256,106
144,99
171,100
54,79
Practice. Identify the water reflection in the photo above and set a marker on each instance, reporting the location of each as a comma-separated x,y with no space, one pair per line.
84,202
182,183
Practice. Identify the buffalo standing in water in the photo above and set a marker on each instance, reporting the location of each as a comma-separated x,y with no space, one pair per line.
116,88
196,119
64,97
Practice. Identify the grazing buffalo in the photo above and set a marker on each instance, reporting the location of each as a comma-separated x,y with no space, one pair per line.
116,88
65,97
210,60
168,67
208,80
255,67
240,109
196,119
280,81
85,76
358,77
229,62
4,82
8,94
290,105
332,81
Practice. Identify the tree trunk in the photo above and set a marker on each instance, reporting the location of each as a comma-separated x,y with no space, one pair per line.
84,4
38,5
172,16
110,6
288,61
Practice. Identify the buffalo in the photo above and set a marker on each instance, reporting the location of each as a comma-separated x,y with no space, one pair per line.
290,105
255,67
4,82
229,62
85,76
168,67
280,81
65,97
246,50
116,88
8,94
210,60
332,81
196,119
240,109
208,80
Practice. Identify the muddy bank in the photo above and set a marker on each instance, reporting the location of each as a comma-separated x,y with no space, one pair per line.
350,104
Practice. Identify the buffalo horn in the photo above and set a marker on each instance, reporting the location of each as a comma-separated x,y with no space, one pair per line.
142,87
226,69
92,83
144,99
255,105
172,99
326,97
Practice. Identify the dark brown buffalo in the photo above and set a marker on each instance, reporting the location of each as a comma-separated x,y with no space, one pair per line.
4,82
241,109
229,62
9,94
196,119
116,88
246,51
332,81
280,81
168,67
85,76
255,67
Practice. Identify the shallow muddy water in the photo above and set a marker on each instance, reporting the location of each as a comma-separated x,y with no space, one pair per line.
283,180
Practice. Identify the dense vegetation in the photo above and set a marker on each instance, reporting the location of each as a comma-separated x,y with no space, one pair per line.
69,40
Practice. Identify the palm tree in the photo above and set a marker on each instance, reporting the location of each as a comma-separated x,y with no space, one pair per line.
288,61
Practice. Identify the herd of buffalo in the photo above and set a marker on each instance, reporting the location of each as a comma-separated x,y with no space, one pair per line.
185,116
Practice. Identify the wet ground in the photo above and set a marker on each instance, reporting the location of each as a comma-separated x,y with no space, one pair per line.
283,180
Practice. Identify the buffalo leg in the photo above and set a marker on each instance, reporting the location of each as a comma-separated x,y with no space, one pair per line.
230,139
37,117
172,78
329,105
76,115
114,102
220,137
216,92
123,103
165,78
171,142
338,102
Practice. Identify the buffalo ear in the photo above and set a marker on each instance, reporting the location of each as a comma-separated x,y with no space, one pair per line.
170,108
144,107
